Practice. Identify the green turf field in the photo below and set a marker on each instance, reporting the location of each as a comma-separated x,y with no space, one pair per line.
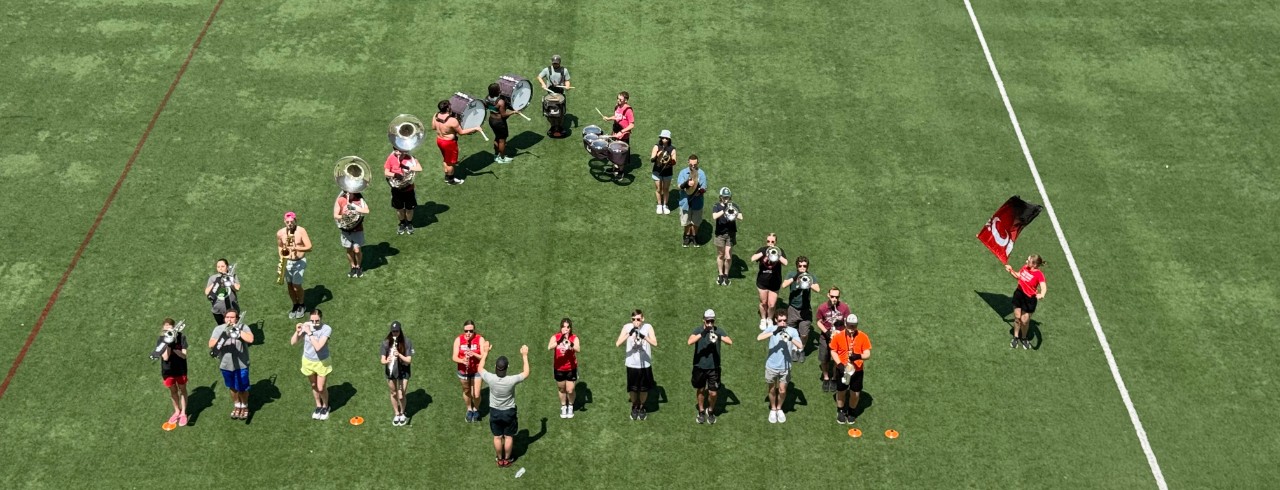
869,135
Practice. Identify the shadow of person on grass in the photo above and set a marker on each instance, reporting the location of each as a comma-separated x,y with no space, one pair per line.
475,165
794,397
657,397
738,269
523,440
704,231
864,402
375,256
524,141
260,394
416,401
317,295
259,334
581,396
725,399
428,213
339,395
484,402
999,303
200,399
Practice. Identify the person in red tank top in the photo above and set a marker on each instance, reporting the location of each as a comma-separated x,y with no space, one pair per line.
469,352
1030,290
565,347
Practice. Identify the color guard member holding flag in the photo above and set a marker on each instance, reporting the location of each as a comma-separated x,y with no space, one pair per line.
1030,290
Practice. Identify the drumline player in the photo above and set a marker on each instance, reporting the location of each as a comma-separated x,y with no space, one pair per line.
499,109
447,129
624,120
555,78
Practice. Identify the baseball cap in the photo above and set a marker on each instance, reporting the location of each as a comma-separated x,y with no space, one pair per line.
709,315
501,366
666,133
725,192
290,215
555,58
852,319
395,326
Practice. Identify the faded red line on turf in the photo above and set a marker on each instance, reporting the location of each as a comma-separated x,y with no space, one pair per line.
75,259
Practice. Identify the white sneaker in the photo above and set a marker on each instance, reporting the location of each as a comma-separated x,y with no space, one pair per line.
764,323
657,209
563,413
568,411
782,417
666,210
773,416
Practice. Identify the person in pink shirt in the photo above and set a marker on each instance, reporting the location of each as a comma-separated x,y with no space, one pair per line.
1030,290
404,199
624,120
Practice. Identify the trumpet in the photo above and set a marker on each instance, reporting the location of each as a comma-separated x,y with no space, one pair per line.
731,211
284,258
804,281
169,337
773,254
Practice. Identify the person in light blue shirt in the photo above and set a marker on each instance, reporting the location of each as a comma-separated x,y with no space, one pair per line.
693,184
784,341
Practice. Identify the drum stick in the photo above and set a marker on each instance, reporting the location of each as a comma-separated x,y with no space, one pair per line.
482,135
524,116
598,112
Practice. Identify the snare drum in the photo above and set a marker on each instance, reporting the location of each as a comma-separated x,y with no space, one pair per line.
599,149
469,110
553,105
619,151
516,89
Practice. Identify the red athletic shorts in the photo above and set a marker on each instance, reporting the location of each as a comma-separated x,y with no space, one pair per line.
169,381
449,149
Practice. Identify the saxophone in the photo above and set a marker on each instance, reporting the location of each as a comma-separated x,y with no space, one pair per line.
284,257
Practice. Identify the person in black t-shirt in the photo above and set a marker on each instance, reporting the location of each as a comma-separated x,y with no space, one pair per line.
706,365
171,349
726,215
769,279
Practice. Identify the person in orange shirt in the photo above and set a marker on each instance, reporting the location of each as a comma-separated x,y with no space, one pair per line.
850,348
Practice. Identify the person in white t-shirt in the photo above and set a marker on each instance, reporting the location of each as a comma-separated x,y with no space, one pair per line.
640,340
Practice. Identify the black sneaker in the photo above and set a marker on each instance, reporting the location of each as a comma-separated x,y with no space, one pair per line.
408,229
828,386
840,417
1026,344
643,414
635,413
359,272
1013,343
711,417
684,242
400,229
352,272
702,417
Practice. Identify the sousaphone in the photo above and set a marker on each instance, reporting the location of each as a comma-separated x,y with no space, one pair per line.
352,175
406,134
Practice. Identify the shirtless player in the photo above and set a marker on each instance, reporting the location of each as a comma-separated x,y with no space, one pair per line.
293,243
447,130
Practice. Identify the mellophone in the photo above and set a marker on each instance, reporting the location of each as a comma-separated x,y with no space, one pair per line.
603,146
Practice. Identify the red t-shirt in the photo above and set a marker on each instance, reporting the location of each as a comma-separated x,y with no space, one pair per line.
472,366
827,316
398,165
565,359
342,206
1029,280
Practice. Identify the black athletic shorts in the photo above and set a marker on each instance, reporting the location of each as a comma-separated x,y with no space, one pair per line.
706,378
770,282
639,380
570,375
402,373
855,382
500,131
1021,300
404,199
503,422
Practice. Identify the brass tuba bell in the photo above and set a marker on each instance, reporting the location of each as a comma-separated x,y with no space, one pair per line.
352,174
406,133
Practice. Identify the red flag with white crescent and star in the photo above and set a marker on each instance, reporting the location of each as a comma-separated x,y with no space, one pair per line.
1003,228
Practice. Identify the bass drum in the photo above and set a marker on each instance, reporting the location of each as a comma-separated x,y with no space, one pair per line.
516,89
469,110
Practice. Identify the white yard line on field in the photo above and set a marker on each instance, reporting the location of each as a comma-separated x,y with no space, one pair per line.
1071,261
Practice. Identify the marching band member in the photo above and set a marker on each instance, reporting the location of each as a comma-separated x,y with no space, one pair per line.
640,339
1030,290
404,199
555,78
352,236
828,313
663,157
624,120
221,289
769,279
469,352
504,420
447,130
850,348
693,184
706,341
229,343
396,348
726,216
783,339
293,243
316,362
799,311
172,346
499,110
565,347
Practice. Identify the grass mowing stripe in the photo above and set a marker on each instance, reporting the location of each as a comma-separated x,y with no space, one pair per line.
1066,249
106,205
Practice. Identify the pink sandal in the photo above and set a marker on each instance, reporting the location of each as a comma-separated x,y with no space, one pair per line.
182,420
173,419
